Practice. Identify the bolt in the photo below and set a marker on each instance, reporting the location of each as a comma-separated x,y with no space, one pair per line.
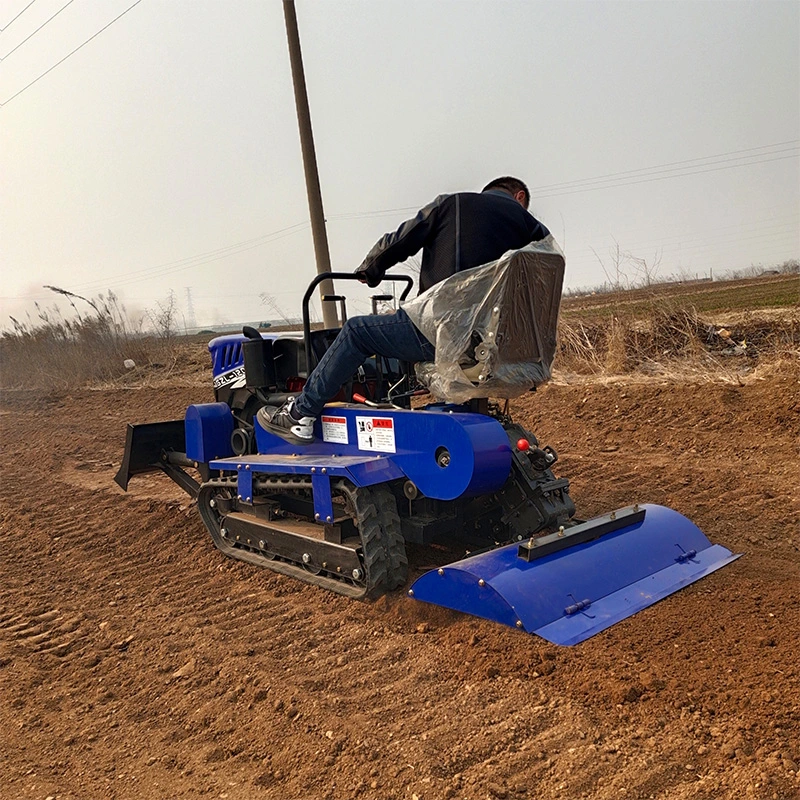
239,497
247,466
212,503
313,469
306,558
613,515
519,623
356,574
441,572
481,582
338,569
238,466
324,470
224,532
561,530
327,519
261,543
636,507
410,592
316,516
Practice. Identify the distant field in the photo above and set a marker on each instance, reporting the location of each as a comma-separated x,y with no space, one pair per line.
779,291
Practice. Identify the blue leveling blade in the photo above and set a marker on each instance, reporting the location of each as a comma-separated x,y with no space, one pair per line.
610,568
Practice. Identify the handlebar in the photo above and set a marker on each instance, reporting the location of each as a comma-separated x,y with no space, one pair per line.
339,276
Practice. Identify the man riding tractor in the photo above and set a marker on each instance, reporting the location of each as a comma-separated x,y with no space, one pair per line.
455,232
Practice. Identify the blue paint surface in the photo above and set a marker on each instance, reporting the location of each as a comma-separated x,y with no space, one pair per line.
619,574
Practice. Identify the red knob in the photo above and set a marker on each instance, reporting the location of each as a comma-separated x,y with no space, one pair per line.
523,444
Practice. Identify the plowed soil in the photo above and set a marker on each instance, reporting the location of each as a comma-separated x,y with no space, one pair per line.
138,662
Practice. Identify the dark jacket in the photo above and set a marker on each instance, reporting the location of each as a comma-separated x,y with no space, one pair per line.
455,232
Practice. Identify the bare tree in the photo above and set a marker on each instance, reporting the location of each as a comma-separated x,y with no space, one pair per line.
613,267
646,270
163,318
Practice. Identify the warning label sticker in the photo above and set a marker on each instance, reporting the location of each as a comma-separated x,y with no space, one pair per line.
334,429
376,433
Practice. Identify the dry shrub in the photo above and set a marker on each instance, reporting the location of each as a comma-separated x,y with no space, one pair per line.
579,348
666,335
616,347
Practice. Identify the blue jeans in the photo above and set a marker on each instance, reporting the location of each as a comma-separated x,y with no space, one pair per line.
389,335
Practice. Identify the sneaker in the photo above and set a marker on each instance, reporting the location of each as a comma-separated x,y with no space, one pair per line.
285,423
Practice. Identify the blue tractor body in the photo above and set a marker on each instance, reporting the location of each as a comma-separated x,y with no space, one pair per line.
338,512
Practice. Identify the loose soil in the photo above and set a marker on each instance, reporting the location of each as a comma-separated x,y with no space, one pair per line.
136,661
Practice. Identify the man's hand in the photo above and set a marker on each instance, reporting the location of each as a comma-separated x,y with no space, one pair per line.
365,277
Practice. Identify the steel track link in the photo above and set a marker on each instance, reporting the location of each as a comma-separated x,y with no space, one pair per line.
377,564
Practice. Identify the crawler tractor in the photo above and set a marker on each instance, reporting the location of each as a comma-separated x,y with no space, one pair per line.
457,471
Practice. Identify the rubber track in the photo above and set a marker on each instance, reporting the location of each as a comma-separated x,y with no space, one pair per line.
393,541
382,544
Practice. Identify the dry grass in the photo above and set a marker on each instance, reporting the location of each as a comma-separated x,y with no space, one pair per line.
88,349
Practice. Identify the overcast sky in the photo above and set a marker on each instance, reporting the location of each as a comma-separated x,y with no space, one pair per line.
164,155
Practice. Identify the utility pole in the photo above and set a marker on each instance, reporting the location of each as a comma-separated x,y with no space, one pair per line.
329,316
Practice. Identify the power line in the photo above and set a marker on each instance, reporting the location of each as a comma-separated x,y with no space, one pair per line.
360,214
190,262
220,251
613,179
611,182
18,15
662,178
197,260
2,58
94,36
659,167
709,235
783,239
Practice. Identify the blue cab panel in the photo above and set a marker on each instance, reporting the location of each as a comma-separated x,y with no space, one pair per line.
208,429
574,593
445,453
226,351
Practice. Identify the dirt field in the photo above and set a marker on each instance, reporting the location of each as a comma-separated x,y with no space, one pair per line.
138,662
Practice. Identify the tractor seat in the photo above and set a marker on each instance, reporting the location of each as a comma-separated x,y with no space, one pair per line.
494,326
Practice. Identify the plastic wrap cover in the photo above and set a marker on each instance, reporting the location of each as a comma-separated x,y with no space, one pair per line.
494,326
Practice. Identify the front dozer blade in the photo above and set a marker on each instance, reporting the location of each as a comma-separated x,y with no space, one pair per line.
145,446
568,586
